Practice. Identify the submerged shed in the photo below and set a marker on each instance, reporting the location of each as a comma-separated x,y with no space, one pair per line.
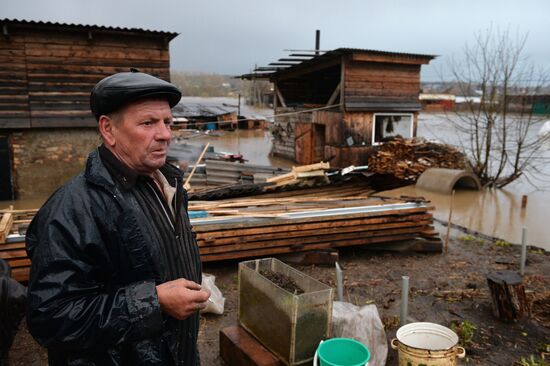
334,105
203,113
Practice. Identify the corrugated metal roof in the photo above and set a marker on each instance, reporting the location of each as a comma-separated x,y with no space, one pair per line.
327,55
194,109
189,107
95,27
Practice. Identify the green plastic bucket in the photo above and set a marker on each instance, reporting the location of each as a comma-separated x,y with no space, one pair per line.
343,352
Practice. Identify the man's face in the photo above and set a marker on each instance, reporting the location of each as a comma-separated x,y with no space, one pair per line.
141,135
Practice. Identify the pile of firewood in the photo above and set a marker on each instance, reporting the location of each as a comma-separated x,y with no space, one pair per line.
407,159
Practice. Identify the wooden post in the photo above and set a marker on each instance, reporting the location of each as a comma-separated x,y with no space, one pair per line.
449,222
187,183
523,201
5,226
334,95
509,302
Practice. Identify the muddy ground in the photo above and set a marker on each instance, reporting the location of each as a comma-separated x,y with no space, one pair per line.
444,288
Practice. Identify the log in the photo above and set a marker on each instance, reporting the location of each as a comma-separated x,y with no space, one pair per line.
509,302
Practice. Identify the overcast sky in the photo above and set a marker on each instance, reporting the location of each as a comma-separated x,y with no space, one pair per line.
230,37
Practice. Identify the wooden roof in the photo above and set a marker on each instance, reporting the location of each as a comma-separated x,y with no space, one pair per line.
7,23
312,60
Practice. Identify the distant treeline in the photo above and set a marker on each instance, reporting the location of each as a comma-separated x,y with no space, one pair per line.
216,85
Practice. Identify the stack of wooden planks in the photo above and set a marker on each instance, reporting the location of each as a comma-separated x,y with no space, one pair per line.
15,223
268,227
280,222
407,159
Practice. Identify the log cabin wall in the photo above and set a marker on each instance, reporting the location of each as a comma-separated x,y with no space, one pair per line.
47,71
384,85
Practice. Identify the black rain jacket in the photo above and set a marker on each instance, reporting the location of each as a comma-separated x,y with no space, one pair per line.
92,289
13,298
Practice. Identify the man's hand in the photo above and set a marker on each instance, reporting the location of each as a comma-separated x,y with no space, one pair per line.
181,298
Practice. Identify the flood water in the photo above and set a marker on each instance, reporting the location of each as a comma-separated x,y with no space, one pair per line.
496,213
254,145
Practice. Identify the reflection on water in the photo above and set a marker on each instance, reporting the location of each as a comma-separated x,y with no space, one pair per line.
497,213
254,145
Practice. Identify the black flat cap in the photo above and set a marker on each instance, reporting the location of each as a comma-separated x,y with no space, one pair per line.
117,90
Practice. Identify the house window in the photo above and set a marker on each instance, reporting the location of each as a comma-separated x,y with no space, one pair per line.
389,125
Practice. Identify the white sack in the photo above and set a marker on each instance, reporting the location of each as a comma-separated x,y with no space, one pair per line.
362,324
215,306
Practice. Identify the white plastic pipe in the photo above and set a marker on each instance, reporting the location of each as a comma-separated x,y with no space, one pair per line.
339,283
404,300
523,251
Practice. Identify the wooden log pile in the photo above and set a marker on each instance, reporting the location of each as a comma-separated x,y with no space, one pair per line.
407,159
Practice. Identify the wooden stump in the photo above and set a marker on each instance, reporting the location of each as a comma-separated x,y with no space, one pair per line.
508,295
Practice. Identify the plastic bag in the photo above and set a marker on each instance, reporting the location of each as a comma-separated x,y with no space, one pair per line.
362,324
217,301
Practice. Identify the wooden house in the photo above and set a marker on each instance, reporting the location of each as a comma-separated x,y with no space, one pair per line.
212,113
437,102
335,105
47,71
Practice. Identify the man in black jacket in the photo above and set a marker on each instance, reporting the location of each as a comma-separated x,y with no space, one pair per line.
115,264
13,298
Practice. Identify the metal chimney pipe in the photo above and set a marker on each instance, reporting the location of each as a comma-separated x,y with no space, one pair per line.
317,42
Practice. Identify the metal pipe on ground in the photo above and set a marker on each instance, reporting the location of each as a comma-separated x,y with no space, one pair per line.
404,300
339,282
523,251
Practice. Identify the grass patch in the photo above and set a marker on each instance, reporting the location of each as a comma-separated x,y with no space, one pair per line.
531,361
470,239
465,331
503,243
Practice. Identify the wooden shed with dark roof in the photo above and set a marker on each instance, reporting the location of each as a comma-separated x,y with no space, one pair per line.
47,71
334,105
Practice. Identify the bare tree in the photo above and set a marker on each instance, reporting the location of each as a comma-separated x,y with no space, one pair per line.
502,141
256,91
